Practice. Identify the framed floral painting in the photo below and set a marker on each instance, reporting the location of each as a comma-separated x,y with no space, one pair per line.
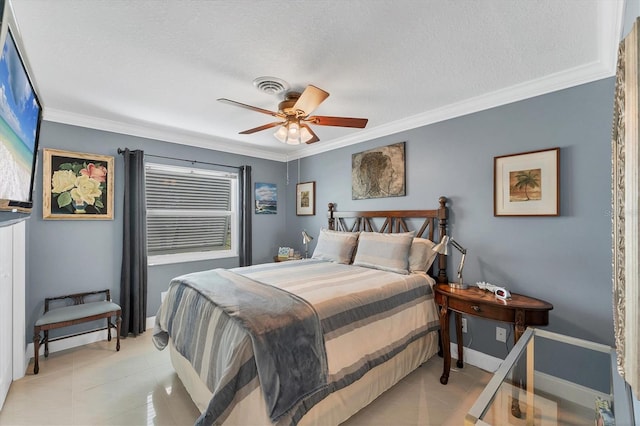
77,185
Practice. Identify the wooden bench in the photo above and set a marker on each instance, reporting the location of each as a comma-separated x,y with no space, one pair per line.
86,307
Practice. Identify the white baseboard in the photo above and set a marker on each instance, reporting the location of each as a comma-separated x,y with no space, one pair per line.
477,359
75,341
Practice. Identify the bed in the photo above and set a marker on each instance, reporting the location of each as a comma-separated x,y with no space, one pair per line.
311,341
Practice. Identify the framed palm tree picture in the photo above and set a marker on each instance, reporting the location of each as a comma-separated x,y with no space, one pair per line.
527,184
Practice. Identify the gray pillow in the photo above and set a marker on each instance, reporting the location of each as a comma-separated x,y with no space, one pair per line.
387,252
421,255
335,246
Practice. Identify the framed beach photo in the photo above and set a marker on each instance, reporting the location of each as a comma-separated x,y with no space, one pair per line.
266,198
306,199
527,184
77,185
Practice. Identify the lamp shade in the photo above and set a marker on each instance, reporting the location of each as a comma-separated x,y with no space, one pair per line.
443,246
292,133
306,238
281,133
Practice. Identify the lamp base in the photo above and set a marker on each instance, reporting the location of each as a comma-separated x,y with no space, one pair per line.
458,286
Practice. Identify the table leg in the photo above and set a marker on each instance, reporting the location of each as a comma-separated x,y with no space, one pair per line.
459,363
518,330
446,346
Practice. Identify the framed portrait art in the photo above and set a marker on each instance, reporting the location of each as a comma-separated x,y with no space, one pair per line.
77,185
306,199
378,173
527,184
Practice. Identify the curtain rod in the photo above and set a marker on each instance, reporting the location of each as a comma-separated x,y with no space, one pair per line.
121,151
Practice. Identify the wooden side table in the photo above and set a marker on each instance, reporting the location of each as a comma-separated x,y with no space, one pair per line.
522,311
278,259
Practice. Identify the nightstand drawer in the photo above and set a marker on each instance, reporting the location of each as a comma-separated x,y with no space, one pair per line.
483,310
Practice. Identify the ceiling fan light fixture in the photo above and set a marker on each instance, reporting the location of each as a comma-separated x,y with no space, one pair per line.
295,110
292,133
305,135
281,133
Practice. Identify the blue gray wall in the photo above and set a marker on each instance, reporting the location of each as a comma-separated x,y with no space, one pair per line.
69,256
565,260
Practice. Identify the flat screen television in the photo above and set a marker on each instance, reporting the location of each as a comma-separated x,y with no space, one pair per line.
20,118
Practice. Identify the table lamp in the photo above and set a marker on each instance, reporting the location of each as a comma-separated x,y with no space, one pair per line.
443,248
306,239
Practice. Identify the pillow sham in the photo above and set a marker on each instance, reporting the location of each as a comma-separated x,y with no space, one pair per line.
335,246
387,252
421,255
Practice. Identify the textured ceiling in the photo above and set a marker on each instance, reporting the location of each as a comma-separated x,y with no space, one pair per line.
156,68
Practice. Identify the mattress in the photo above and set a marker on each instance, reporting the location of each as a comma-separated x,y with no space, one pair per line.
377,327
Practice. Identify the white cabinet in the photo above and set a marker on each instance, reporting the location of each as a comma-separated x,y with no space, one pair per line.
12,306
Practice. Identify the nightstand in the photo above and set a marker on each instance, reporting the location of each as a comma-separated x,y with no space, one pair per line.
280,259
521,311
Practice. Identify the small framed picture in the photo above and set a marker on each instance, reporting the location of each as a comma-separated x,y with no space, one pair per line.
77,185
306,199
527,184
266,198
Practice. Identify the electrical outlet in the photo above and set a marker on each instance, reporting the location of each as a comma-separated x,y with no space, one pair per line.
501,334
464,325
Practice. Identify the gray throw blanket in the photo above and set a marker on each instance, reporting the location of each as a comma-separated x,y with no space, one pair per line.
285,332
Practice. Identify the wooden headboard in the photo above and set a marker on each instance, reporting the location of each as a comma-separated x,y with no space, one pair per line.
396,221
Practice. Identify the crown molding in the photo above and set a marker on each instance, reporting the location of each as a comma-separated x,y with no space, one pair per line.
559,81
554,82
171,135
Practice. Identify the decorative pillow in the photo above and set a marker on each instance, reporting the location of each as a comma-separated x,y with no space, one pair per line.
335,246
388,252
421,255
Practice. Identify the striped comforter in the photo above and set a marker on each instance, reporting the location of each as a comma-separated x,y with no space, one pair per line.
366,316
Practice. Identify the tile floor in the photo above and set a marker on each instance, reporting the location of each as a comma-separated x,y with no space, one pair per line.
94,385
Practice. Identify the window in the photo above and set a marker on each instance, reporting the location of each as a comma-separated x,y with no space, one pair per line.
192,214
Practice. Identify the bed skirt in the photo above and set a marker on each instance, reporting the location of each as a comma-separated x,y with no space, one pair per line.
334,409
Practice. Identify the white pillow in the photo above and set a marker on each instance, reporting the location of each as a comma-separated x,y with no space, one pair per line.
388,252
335,246
421,255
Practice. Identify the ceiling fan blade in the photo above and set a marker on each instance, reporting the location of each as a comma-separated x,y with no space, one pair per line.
315,137
323,120
264,127
310,99
252,108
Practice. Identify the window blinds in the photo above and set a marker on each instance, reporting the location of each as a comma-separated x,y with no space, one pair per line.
188,210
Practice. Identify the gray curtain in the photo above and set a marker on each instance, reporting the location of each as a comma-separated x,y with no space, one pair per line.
246,209
133,277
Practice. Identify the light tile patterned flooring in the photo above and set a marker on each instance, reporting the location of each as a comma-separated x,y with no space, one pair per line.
95,385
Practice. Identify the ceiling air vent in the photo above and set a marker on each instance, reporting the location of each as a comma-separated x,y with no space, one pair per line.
271,85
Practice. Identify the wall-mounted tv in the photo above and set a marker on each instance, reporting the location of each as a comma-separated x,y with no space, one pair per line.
20,117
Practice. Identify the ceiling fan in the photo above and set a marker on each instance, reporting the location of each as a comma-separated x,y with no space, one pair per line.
294,111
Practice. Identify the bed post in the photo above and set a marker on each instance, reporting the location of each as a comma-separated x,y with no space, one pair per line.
443,213
332,220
